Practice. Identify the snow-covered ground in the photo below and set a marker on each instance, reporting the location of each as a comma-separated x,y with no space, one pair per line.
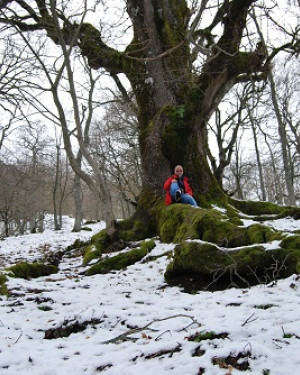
136,324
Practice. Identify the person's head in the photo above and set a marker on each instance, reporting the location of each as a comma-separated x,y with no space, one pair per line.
178,170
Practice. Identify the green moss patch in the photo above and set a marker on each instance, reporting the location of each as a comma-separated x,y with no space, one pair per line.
140,226
25,270
3,287
180,222
264,307
291,242
91,252
293,212
77,244
207,335
257,208
258,233
101,240
100,243
198,266
122,260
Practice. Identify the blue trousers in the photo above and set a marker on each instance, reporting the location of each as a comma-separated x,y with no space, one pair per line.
185,198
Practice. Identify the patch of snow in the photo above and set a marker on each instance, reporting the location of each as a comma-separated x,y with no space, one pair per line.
141,325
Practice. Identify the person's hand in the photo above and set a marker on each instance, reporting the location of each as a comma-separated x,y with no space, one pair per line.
174,180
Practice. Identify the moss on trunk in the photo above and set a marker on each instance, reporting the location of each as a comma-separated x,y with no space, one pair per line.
197,266
181,222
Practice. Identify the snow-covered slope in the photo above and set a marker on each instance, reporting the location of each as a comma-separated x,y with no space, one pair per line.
130,322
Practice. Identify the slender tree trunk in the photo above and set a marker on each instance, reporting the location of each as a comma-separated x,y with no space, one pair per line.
40,223
259,165
284,143
277,181
237,174
32,225
56,189
77,195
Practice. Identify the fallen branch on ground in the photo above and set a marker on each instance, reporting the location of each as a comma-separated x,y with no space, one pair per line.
125,336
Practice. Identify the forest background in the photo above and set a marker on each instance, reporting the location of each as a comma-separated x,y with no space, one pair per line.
69,132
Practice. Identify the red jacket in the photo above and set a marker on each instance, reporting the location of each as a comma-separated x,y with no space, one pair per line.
167,185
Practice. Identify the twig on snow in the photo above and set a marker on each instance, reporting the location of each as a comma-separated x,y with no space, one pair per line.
125,336
248,320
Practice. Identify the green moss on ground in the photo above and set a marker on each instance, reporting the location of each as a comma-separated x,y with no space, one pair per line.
198,266
91,252
25,270
99,242
122,260
3,287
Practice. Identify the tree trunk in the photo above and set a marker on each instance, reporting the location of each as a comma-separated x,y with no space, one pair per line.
260,169
284,143
174,109
77,195
56,190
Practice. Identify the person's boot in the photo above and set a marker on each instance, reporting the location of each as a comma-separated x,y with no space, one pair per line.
177,195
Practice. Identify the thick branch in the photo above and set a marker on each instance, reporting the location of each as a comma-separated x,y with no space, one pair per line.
89,38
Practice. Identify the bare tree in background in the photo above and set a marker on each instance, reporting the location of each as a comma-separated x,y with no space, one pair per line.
63,89
280,122
115,141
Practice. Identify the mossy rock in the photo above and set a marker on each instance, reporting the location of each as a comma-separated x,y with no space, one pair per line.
3,287
122,260
198,266
257,207
25,270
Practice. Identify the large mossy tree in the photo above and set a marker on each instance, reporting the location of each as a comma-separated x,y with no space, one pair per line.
174,99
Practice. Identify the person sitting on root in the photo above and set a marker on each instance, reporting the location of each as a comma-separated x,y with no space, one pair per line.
178,189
